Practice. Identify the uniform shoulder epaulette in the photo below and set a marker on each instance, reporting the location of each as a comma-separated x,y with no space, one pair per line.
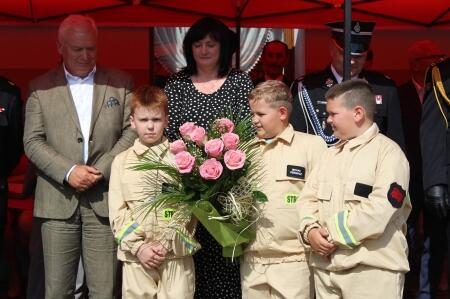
375,77
437,82
7,85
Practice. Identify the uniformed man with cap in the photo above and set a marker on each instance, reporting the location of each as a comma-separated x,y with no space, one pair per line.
435,141
309,110
11,146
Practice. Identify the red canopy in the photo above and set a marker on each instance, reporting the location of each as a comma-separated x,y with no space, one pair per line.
250,13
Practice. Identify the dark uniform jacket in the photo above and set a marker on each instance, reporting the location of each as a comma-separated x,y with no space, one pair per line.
11,132
11,128
411,114
388,117
434,135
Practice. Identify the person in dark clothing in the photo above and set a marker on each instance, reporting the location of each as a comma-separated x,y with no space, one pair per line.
274,59
434,141
421,55
11,146
309,107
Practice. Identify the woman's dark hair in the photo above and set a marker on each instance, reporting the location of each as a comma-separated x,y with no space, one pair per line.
217,31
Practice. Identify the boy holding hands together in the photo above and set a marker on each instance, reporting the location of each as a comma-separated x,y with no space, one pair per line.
156,264
354,207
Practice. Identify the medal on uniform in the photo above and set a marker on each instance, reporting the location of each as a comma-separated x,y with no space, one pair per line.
329,82
379,99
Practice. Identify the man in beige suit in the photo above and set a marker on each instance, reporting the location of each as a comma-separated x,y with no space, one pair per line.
77,120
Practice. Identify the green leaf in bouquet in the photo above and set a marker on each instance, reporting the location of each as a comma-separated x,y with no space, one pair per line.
259,196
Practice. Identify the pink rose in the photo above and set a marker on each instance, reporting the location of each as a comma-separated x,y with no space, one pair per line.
214,147
177,146
187,128
225,125
184,162
211,169
230,140
234,159
198,135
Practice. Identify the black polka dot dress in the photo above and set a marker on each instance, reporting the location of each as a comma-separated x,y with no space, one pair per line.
215,276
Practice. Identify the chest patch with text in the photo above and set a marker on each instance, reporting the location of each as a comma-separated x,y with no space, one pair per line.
294,171
167,214
291,198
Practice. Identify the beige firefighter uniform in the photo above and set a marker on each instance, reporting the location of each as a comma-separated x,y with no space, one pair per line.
274,264
128,190
357,193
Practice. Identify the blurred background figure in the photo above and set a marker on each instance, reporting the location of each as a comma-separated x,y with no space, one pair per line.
274,59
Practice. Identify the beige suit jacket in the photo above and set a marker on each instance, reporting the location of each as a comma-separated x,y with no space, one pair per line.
54,143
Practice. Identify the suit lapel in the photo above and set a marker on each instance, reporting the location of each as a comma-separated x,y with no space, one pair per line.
63,92
100,83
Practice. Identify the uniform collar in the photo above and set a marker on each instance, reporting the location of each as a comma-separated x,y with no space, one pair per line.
336,75
364,138
159,148
286,136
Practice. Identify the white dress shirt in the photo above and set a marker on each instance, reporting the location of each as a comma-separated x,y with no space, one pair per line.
82,90
338,77
419,89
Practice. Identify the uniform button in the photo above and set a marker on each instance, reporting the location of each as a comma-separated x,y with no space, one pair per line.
80,139
317,110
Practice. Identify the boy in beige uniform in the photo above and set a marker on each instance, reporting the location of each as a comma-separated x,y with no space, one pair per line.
156,263
274,264
354,207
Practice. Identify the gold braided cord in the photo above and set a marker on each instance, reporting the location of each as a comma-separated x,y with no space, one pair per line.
437,82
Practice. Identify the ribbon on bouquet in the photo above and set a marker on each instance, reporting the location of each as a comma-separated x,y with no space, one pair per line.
230,236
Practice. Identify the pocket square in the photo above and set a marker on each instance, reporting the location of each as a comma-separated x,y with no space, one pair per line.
111,102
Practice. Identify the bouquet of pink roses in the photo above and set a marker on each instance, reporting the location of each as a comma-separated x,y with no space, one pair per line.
215,175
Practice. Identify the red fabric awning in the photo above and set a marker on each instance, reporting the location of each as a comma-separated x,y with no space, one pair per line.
250,13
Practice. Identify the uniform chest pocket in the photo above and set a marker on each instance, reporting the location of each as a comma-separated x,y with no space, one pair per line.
324,192
3,119
288,188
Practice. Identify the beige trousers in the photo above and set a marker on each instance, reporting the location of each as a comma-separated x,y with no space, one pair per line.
359,282
273,281
174,279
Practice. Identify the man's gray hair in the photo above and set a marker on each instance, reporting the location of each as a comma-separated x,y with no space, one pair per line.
74,21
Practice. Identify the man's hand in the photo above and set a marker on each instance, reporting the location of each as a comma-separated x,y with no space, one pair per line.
318,238
437,202
84,177
151,255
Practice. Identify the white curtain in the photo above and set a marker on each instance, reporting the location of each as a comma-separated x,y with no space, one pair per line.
168,43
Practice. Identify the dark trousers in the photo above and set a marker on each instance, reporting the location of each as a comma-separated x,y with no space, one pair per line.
419,255
439,249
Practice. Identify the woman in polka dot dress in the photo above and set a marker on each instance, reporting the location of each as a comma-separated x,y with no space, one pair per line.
205,89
